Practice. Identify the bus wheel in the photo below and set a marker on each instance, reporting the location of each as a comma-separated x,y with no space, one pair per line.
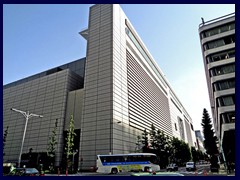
114,171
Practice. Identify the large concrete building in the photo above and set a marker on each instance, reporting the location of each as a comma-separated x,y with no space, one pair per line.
218,49
113,94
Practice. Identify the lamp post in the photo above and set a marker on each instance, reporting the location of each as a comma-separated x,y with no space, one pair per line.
27,116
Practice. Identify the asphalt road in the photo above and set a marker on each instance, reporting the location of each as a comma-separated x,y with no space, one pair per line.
202,170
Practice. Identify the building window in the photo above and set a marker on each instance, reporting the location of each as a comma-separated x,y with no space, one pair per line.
220,42
228,117
226,100
191,126
230,68
218,30
181,128
175,124
221,56
222,85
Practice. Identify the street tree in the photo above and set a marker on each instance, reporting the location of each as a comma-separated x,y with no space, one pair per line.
153,138
158,143
138,144
185,152
180,151
145,141
210,142
70,141
5,139
194,153
163,147
200,155
51,150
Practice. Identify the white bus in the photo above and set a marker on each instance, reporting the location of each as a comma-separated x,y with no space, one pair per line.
127,162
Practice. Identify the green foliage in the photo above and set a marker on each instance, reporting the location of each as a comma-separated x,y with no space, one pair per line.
186,152
5,139
145,138
70,138
162,141
194,154
51,150
200,155
180,151
210,142
138,144
153,137
166,148
197,155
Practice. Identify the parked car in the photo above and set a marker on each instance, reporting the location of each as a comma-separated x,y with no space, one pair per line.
25,172
172,167
190,166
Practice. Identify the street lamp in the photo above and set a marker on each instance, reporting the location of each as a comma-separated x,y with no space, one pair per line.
27,116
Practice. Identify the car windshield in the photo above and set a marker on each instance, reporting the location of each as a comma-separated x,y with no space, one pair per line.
190,163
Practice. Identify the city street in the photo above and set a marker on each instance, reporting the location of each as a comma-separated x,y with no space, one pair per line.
202,170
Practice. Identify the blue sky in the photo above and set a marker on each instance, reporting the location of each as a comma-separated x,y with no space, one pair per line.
39,37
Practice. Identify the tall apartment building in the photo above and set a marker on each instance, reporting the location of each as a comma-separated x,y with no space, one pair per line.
124,92
217,38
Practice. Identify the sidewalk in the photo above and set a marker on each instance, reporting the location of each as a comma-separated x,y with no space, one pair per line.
223,171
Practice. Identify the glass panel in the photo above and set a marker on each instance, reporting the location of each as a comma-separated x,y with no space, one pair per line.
224,29
231,83
228,69
220,42
222,70
222,85
226,101
216,44
221,56
232,26
219,30
228,117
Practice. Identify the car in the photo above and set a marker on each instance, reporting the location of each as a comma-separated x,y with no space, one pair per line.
157,174
25,172
172,167
190,166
